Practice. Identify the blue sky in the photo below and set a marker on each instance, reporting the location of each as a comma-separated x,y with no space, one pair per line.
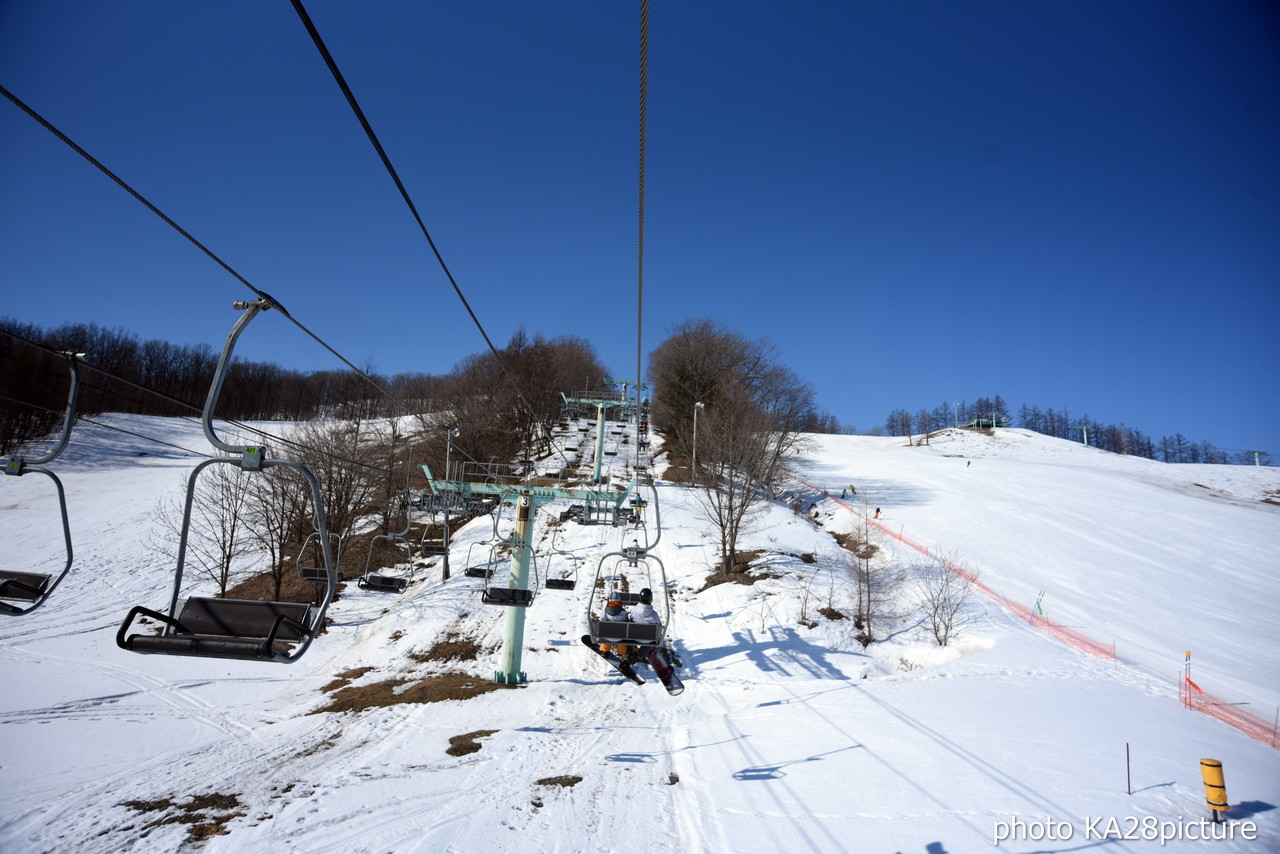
1066,203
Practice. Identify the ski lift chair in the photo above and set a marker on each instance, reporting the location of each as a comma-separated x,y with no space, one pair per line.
626,633
511,597
317,574
389,583
246,630
437,548
381,582
475,570
559,582
33,588
516,597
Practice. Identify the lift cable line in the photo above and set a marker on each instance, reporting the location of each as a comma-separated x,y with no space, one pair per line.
644,99
404,193
155,210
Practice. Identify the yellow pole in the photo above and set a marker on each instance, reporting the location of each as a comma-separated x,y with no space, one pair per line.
1215,787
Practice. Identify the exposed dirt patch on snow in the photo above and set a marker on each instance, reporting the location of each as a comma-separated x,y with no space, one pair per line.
452,648
468,743
394,692
566,781
206,815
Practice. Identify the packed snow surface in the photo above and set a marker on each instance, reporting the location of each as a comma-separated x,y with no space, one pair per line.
791,736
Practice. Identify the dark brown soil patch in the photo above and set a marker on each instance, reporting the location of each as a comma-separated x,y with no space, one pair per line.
861,549
345,678
461,745
567,781
195,813
731,578
395,692
452,648
832,614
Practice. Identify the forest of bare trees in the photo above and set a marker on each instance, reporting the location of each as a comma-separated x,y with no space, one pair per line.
123,374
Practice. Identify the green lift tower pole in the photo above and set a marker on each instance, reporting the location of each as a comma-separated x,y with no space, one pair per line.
513,628
528,499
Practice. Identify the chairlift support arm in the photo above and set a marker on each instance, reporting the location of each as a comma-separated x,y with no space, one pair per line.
229,628
35,588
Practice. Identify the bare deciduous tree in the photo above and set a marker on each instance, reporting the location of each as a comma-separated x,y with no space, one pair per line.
280,507
751,415
943,597
732,446
341,456
217,538
876,582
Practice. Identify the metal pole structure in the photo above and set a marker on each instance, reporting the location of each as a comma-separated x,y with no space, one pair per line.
513,629
448,450
694,465
596,476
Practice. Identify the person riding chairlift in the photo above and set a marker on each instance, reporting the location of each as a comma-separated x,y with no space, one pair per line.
645,613
614,613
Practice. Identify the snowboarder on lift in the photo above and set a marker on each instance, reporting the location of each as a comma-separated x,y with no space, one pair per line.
645,613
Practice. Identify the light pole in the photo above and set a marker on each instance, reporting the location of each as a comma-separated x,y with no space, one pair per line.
449,435
694,466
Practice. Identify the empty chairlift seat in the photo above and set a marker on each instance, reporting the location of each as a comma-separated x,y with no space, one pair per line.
509,596
223,628
383,583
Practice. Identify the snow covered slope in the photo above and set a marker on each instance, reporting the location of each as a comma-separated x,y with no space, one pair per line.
1157,558
790,735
